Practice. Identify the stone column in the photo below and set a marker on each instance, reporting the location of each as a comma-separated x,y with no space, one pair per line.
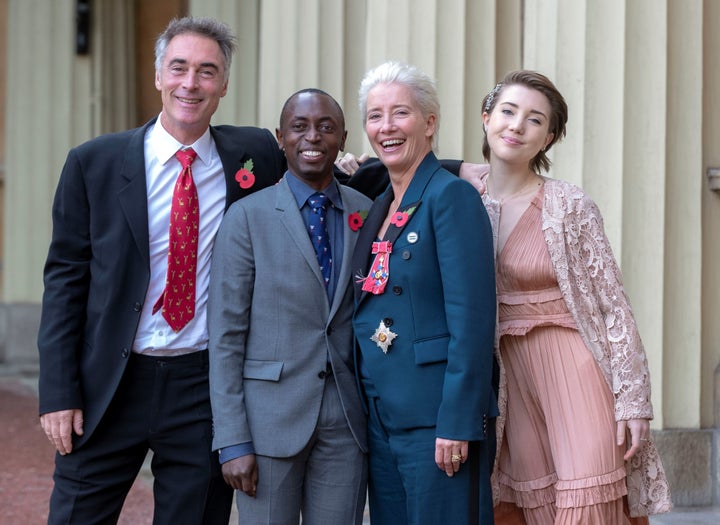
710,257
49,89
240,105
687,388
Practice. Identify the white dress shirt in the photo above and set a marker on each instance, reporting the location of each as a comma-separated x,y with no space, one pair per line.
154,336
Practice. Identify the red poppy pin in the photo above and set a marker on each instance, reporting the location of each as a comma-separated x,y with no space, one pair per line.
245,176
356,219
399,218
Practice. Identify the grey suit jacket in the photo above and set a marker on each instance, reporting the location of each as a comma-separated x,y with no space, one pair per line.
272,327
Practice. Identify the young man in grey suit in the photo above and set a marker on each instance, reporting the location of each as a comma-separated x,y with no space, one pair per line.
288,419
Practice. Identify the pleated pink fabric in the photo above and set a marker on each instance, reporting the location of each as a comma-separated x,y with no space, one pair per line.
558,461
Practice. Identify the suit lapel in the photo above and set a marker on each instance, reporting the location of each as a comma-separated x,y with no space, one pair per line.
378,212
291,218
345,277
394,231
133,196
420,180
231,156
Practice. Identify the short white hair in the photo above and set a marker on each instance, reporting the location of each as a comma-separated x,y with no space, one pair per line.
419,83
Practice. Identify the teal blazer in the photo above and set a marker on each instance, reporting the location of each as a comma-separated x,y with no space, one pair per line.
439,301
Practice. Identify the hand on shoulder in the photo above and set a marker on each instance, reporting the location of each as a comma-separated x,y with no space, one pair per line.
349,162
474,174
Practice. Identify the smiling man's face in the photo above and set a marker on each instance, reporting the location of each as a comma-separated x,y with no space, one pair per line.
191,83
312,133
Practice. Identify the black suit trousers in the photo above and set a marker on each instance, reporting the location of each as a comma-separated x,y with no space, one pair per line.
162,405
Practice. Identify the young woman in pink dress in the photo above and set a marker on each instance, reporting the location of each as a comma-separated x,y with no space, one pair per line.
574,442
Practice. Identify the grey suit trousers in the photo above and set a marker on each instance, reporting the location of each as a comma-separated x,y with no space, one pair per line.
326,481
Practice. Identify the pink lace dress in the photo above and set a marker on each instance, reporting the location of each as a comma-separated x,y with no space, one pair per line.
558,461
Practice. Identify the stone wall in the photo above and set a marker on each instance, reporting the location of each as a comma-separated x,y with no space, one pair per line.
19,324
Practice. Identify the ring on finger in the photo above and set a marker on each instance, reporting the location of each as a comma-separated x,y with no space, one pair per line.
456,458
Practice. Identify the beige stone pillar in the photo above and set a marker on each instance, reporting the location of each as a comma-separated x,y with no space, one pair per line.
3,78
685,384
644,180
494,48
283,47
600,122
46,85
239,107
300,47
60,99
710,257
113,68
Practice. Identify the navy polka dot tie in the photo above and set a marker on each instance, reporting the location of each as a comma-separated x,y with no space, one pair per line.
319,234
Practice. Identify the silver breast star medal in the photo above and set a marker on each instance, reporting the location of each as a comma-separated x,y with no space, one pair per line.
383,337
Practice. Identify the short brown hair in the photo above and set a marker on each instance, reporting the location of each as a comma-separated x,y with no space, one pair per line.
558,110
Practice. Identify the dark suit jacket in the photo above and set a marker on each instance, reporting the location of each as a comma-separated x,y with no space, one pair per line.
372,179
440,301
97,269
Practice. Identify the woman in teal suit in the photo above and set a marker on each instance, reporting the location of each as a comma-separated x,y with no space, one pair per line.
424,319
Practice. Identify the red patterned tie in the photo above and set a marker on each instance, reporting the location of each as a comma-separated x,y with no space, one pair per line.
178,298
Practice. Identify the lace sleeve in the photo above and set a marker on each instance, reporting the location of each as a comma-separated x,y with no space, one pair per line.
628,363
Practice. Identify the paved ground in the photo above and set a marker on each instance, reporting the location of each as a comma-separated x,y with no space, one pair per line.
26,465
704,516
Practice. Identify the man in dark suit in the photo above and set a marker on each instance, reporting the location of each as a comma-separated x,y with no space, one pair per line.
123,361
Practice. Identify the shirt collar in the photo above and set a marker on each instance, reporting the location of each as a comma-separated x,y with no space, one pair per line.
302,191
164,145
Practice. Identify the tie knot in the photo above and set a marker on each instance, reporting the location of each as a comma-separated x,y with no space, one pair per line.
318,201
186,156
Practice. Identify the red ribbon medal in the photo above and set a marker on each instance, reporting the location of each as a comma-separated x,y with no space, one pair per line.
380,270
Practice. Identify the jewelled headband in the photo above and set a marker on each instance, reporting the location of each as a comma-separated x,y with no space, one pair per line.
491,96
